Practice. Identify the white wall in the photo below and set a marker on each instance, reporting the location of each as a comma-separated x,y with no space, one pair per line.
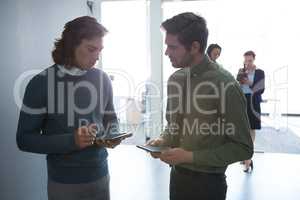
28,30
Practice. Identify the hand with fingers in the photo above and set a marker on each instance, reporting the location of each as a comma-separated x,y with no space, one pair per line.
156,142
108,143
112,143
176,156
103,143
85,136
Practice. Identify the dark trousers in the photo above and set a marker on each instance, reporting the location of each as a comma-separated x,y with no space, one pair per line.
190,185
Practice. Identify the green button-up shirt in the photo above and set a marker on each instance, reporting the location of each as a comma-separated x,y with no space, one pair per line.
206,114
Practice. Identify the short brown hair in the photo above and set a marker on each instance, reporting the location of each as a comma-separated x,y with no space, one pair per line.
250,53
189,27
75,31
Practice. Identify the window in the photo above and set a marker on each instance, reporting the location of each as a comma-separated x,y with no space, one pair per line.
125,56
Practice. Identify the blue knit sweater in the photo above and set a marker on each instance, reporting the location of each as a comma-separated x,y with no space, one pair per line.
55,104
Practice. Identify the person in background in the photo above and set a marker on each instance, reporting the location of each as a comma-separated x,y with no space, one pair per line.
213,51
64,107
252,82
197,102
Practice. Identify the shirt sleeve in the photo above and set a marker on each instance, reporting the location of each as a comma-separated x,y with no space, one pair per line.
259,86
174,109
33,116
238,143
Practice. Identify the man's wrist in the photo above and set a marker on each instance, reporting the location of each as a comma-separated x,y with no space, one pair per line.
189,157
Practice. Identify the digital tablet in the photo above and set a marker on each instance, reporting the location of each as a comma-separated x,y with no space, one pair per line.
116,136
152,149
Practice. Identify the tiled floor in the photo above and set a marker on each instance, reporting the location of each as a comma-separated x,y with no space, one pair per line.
135,175
279,136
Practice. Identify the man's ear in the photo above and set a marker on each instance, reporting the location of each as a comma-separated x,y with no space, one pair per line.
195,47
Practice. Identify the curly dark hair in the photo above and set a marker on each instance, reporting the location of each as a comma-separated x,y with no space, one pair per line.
75,31
189,27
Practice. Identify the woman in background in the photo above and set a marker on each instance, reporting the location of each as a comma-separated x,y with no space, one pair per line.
252,81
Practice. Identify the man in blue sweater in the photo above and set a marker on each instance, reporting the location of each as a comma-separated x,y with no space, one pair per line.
63,108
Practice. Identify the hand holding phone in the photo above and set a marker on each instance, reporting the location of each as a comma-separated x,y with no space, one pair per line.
112,140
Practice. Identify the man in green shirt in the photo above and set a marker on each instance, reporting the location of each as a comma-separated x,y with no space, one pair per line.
207,128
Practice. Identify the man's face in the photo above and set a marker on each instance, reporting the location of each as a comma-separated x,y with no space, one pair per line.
249,61
215,53
87,53
177,53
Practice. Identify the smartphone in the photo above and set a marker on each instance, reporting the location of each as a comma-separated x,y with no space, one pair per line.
152,149
116,136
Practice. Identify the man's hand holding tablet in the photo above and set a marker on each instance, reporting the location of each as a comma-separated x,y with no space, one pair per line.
154,147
